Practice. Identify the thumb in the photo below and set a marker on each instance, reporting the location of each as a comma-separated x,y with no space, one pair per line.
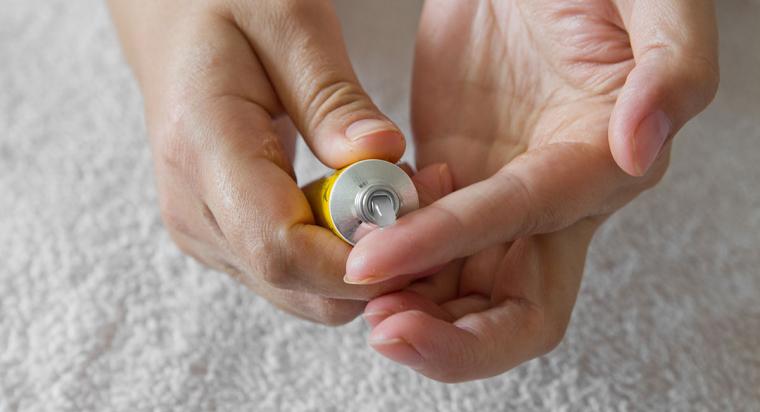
301,48
676,76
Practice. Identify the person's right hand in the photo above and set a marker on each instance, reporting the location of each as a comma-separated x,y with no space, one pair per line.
552,115
222,81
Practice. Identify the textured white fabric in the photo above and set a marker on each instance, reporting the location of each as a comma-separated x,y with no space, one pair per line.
99,311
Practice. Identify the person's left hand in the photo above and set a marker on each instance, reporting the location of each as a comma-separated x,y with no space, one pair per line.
539,108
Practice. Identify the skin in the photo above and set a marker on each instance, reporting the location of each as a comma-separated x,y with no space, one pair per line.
551,115
226,85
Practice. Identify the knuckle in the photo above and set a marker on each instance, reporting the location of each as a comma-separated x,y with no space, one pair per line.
182,244
296,13
283,18
265,262
271,148
328,94
293,9
699,70
174,220
526,200
209,218
270,272
233,271
333,312
173,145
273,276
190,248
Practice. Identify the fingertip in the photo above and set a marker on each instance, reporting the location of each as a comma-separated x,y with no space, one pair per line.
638,127
636,101
385,306
398,350
648,140
374,317
356,265
366,263
366,139
398,325
411,245
335,150
363,280
389,338
622,152
434,347
380,144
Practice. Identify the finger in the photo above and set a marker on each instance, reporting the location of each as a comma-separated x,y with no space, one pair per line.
467,304
265,217
182,212
308,306
246,174
315,308
432,183
441,285
424,294
481,269
312,307
406,168
675,77
284,128
306,272
199,112
525,316
302,50
542,191
473,347
380,308
268,223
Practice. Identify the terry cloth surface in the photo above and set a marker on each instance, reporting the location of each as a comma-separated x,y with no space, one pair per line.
99,311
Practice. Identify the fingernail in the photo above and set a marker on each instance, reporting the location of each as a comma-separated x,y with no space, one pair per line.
649,139
366,127
445,178
362,281
375,317
398,349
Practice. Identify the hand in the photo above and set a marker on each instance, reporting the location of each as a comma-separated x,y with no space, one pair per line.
222,81
551,115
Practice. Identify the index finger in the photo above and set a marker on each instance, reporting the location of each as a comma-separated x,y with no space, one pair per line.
538,192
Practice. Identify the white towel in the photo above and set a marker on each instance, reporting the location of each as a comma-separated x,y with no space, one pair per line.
99,311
